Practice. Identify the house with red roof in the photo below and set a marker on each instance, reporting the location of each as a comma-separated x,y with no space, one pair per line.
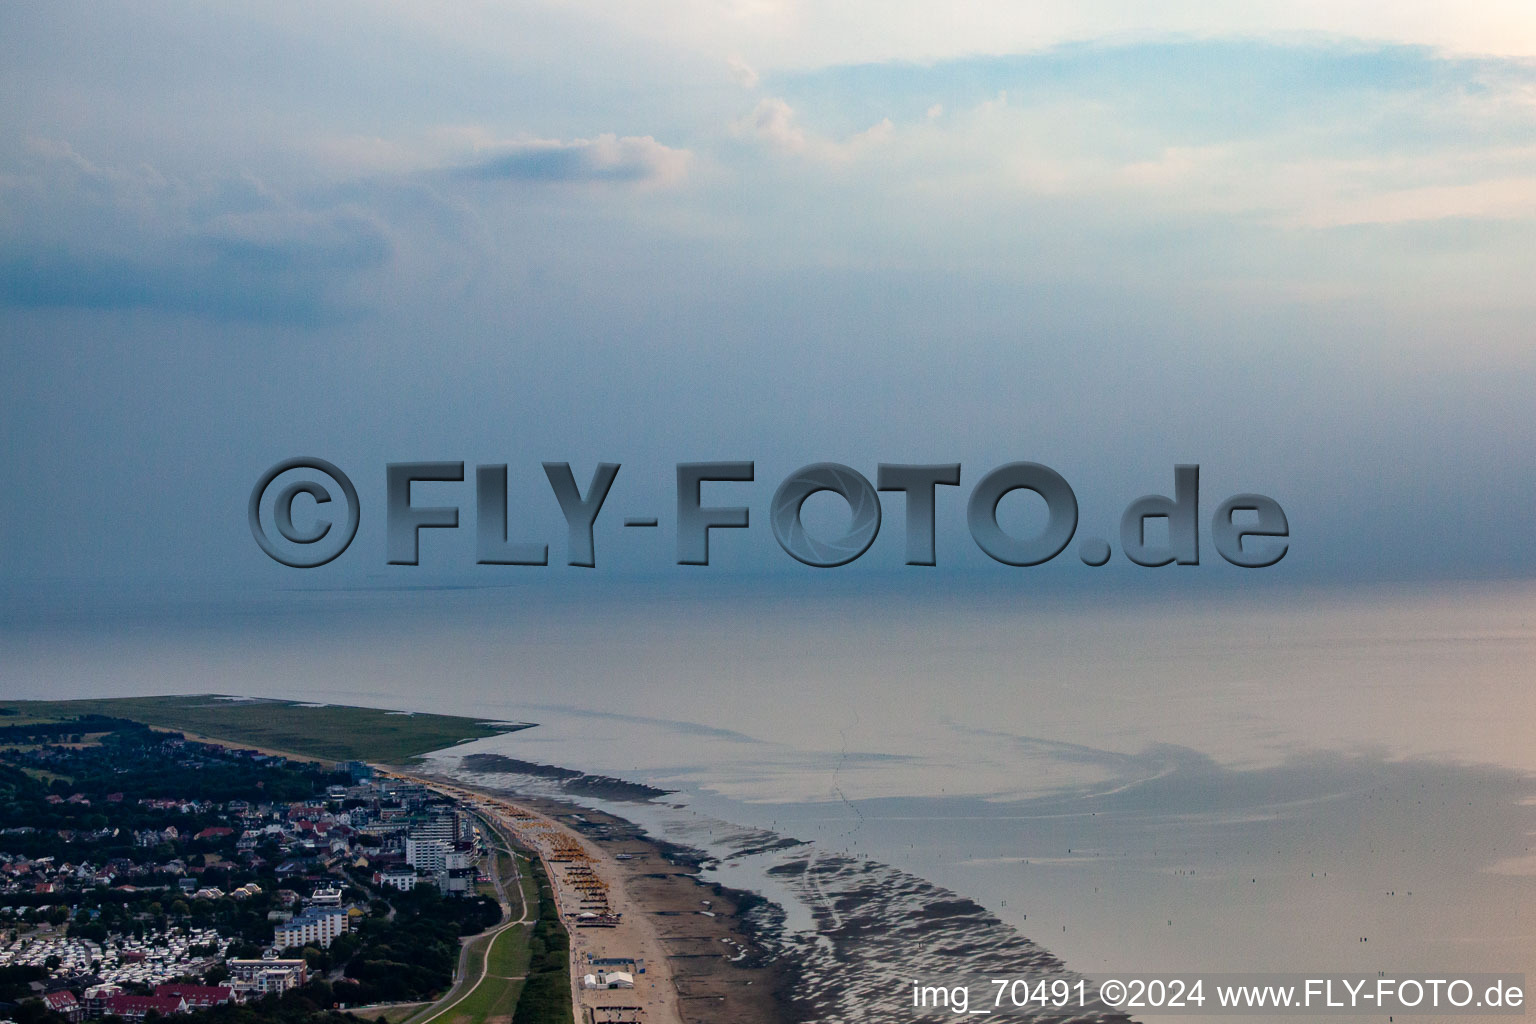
136,1008
197,997
65,1004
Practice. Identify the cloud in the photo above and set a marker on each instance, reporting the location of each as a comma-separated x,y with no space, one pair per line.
785,35
80,234
85,236
1216,135
743,72
639,160
774,123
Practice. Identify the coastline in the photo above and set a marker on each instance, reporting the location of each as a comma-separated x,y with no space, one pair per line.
702,959
838,918
872,929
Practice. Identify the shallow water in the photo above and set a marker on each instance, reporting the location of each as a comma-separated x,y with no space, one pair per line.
1235,780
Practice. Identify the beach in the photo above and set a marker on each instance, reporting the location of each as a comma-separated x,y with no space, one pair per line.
681,941
730,954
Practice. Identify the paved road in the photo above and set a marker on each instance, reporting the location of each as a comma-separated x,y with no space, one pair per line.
466,982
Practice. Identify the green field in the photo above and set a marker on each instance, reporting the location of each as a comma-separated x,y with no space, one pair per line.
494,998
530,888
330,732
497,993
509,953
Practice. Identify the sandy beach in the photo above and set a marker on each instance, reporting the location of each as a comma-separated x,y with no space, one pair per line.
631,904
865,928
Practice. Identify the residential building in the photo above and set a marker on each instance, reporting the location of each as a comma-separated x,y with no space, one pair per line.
96,999
136,1008
197,997
65,1005
317,926
428,856
442,827
269,975
402,878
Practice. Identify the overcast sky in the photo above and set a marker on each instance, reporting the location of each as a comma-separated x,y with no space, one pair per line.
1292,245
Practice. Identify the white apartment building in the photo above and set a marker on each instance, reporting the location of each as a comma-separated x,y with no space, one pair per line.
427,855
326,896
403,879
317,926
267,975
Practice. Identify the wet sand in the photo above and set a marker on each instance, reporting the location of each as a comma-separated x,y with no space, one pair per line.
872,931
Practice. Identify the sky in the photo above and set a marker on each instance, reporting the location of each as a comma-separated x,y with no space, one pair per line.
1290,244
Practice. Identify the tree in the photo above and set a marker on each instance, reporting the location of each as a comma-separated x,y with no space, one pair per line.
95,931
344,946
33,1011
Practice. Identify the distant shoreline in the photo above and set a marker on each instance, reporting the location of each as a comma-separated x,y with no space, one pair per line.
284,728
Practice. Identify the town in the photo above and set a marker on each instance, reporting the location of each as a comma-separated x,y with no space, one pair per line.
144,874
